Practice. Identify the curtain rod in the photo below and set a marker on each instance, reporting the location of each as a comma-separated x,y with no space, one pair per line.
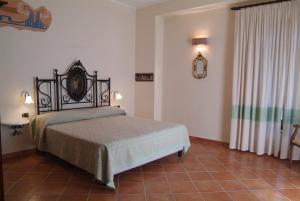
258,4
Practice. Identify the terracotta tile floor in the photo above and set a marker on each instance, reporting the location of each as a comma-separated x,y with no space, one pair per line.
208,172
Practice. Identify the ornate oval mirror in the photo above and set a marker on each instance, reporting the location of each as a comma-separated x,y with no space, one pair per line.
77,84
200,67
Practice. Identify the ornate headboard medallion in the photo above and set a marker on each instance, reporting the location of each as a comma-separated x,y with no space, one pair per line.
76,84
72,90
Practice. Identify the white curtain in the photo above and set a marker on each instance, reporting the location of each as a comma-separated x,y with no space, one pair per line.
266,78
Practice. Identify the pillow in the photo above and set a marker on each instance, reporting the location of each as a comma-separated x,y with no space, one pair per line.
79,114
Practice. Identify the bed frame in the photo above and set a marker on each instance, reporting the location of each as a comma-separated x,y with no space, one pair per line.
74,89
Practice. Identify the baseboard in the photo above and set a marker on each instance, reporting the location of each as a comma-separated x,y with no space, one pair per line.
18,154
208,140
203,140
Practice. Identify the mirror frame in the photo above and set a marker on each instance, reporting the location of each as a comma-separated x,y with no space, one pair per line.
195,73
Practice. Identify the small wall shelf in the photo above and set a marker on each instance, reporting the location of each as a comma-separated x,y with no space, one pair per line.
16,125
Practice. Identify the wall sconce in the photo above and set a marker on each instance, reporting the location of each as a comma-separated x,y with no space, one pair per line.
200,63
201,44
28,98
117,95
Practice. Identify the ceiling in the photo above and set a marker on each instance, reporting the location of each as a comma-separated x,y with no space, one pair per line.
141,3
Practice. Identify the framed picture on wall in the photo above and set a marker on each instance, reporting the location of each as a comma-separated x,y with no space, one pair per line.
144,77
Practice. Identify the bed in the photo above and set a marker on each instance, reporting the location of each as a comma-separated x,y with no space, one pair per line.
98,138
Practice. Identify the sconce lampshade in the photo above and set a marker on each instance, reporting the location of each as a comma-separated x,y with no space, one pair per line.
199,41
117,95
28,99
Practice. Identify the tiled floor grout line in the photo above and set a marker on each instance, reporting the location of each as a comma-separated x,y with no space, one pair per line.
247,189
67,184
192,181
25,172
49,173
19,180
90,190
284,196
279,170
117,189
217,181
190,178
221,187
16,182
224,180
144,185
254,190
168,182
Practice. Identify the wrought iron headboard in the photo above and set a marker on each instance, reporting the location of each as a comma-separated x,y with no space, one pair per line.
74,89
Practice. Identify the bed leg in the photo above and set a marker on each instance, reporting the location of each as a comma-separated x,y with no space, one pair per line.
180,153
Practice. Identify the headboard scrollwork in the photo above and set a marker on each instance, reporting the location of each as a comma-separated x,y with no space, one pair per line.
72,90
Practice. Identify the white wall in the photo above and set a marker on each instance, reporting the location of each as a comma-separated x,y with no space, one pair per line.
101,33
145,60
203,105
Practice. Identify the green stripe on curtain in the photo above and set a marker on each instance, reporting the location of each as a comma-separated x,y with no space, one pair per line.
269,114
292,116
